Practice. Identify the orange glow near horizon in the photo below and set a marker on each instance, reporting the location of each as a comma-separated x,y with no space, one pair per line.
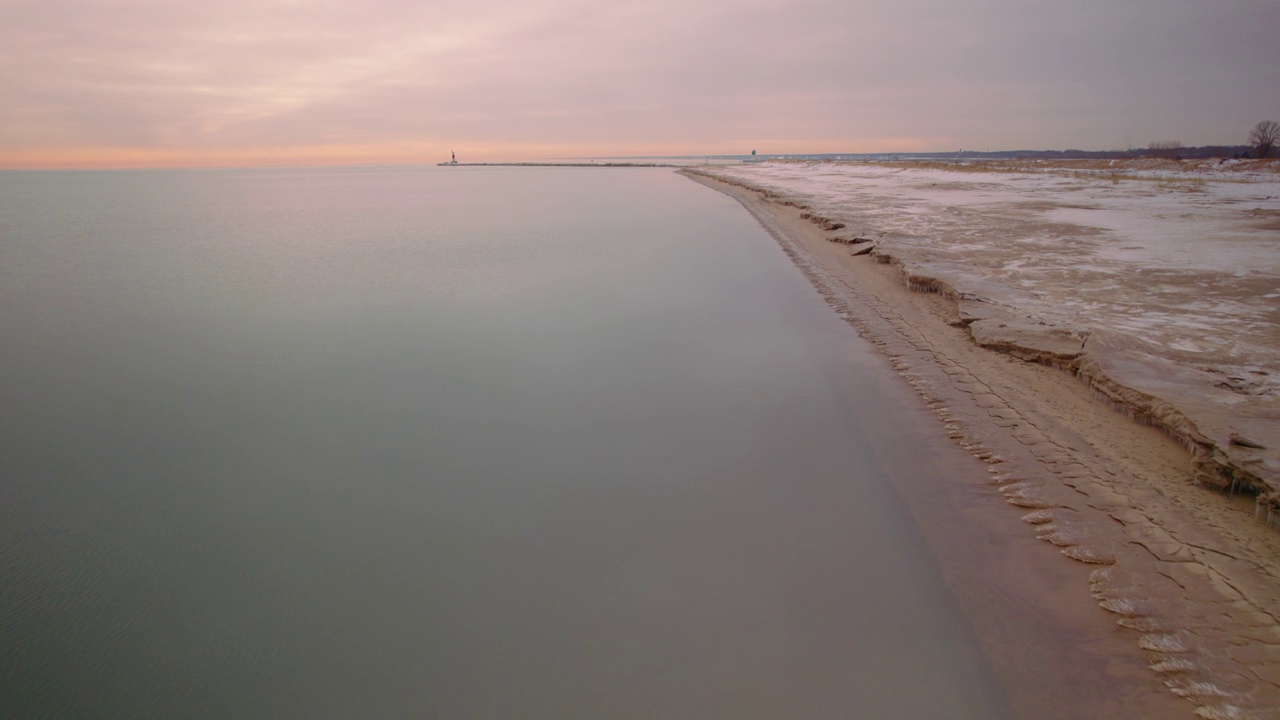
180,83
105,158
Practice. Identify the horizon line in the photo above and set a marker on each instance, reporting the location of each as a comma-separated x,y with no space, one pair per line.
851,155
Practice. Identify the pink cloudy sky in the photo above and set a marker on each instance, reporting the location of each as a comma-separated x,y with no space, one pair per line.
179,82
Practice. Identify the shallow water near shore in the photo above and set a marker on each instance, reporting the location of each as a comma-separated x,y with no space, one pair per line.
444,442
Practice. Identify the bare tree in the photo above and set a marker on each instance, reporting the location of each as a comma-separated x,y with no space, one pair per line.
1264,135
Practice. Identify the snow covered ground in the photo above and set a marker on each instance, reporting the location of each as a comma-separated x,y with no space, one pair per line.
1179,262
1188,262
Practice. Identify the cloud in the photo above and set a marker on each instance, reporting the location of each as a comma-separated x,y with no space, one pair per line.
577,77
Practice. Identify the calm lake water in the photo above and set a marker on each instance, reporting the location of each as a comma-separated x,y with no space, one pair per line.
443,443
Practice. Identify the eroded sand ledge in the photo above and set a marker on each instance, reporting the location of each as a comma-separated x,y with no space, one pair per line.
1186,570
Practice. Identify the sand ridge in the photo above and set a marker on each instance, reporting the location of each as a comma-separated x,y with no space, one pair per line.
1187,572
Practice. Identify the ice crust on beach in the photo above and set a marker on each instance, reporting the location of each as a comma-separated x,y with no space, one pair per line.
1157,281
1181,569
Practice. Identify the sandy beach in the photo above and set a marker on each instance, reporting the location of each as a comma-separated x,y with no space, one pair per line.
1116,402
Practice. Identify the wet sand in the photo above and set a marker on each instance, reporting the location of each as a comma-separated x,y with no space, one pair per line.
1148,597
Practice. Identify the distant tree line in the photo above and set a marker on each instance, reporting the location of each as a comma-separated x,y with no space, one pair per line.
1206,151
1263,139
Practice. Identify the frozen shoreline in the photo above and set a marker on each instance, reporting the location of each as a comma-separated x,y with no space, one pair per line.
1157,285
1193,582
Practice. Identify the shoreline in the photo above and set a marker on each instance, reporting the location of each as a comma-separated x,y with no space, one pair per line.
1194,584
1234,442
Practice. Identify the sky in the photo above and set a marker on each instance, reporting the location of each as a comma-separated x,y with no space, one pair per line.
132,83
